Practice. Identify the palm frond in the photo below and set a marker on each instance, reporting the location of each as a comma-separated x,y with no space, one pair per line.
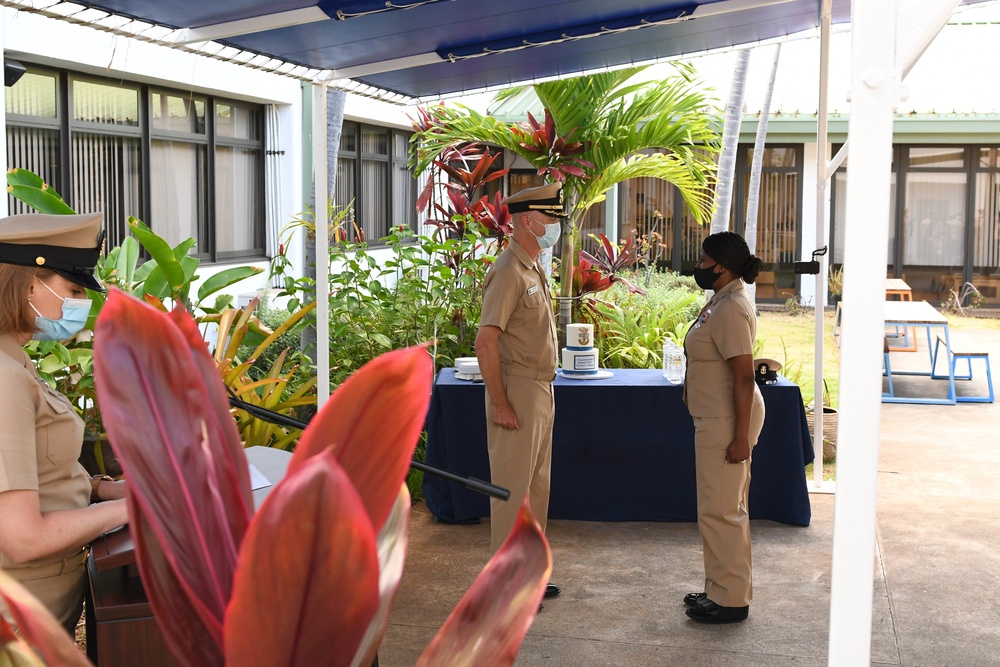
691,177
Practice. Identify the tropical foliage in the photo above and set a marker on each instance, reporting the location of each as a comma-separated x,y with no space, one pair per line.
280,387
468,167
430,286
598,131
598,272
630,328
212,566
167,273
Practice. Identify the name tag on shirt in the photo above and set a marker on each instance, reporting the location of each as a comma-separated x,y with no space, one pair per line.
532,289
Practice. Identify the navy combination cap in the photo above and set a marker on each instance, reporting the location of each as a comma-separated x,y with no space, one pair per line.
547,199
70,245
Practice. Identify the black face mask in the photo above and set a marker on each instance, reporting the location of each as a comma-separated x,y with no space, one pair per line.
706,277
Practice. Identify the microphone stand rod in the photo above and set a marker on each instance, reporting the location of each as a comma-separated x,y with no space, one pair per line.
469,482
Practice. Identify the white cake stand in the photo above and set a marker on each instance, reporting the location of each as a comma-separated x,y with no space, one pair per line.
601,374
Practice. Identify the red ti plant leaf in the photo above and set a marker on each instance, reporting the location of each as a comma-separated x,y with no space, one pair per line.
488,625
307,582
372,423
188,481
38,627
611,261
587,279
194,635
425,195
391,557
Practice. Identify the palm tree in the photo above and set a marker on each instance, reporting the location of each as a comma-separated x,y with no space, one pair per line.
753,196
730,142
595,131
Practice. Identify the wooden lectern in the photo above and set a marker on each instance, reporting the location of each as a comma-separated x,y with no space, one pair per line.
121,629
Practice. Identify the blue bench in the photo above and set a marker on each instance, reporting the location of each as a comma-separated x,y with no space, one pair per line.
963,347
887,367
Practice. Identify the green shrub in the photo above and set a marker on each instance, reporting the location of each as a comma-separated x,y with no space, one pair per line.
631,328
429,291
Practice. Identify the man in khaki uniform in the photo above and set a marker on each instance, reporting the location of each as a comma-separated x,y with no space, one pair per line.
516,347
728,413
46,517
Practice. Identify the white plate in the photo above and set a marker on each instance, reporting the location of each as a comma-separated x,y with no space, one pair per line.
474,377
599,375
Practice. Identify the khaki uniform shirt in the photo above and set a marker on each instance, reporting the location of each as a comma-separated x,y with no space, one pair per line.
40,445
516,299
726,328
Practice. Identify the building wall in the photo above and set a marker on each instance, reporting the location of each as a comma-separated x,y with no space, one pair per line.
59,44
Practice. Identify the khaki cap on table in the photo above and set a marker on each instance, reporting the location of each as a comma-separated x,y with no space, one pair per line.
70,245
547,199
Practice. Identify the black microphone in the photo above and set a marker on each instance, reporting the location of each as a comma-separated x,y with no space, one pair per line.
472,483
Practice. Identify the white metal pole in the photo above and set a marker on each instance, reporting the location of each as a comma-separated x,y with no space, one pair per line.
866,240
886,42
322,244
822,178
3,110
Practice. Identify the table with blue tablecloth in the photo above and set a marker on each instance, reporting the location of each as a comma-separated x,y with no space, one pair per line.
622,450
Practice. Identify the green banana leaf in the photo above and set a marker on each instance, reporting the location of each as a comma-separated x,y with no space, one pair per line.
224,279
159,250
42,201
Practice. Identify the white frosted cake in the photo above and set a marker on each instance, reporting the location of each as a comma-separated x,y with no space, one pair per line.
579,357
467,368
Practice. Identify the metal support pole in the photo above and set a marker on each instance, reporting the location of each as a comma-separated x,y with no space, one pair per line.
322,245
822,179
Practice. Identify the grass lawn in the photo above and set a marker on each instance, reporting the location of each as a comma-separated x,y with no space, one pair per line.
789,337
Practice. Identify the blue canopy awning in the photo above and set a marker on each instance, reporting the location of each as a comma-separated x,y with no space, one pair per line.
430,48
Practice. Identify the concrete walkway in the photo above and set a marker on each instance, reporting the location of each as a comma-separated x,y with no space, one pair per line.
937,567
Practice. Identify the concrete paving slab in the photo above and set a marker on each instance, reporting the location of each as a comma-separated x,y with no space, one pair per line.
936,588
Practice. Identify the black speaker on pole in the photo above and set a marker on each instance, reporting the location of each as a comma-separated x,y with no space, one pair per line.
12,71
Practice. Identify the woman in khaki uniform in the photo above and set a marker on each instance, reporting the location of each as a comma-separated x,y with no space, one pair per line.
728,412
46,515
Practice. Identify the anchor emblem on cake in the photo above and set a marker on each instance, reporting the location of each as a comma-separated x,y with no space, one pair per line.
584,338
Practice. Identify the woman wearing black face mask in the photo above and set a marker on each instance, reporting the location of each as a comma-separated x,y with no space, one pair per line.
728,412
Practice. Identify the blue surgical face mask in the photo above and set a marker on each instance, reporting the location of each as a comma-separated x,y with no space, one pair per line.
551,235
74,315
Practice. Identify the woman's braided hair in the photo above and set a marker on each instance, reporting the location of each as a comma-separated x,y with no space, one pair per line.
731,251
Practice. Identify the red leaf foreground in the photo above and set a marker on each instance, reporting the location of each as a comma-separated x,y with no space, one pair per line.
306,587
372,424
488,625
189,489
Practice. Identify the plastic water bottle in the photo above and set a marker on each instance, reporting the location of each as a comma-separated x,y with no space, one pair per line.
673,362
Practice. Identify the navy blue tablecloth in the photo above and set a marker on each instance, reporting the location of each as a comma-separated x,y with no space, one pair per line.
622,450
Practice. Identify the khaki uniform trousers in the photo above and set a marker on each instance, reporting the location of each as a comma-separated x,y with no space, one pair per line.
723,517
521,460
58,586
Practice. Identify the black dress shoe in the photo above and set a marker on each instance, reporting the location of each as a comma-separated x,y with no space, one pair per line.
707,611
692,599
551,590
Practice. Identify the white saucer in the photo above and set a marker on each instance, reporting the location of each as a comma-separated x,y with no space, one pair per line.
599,375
